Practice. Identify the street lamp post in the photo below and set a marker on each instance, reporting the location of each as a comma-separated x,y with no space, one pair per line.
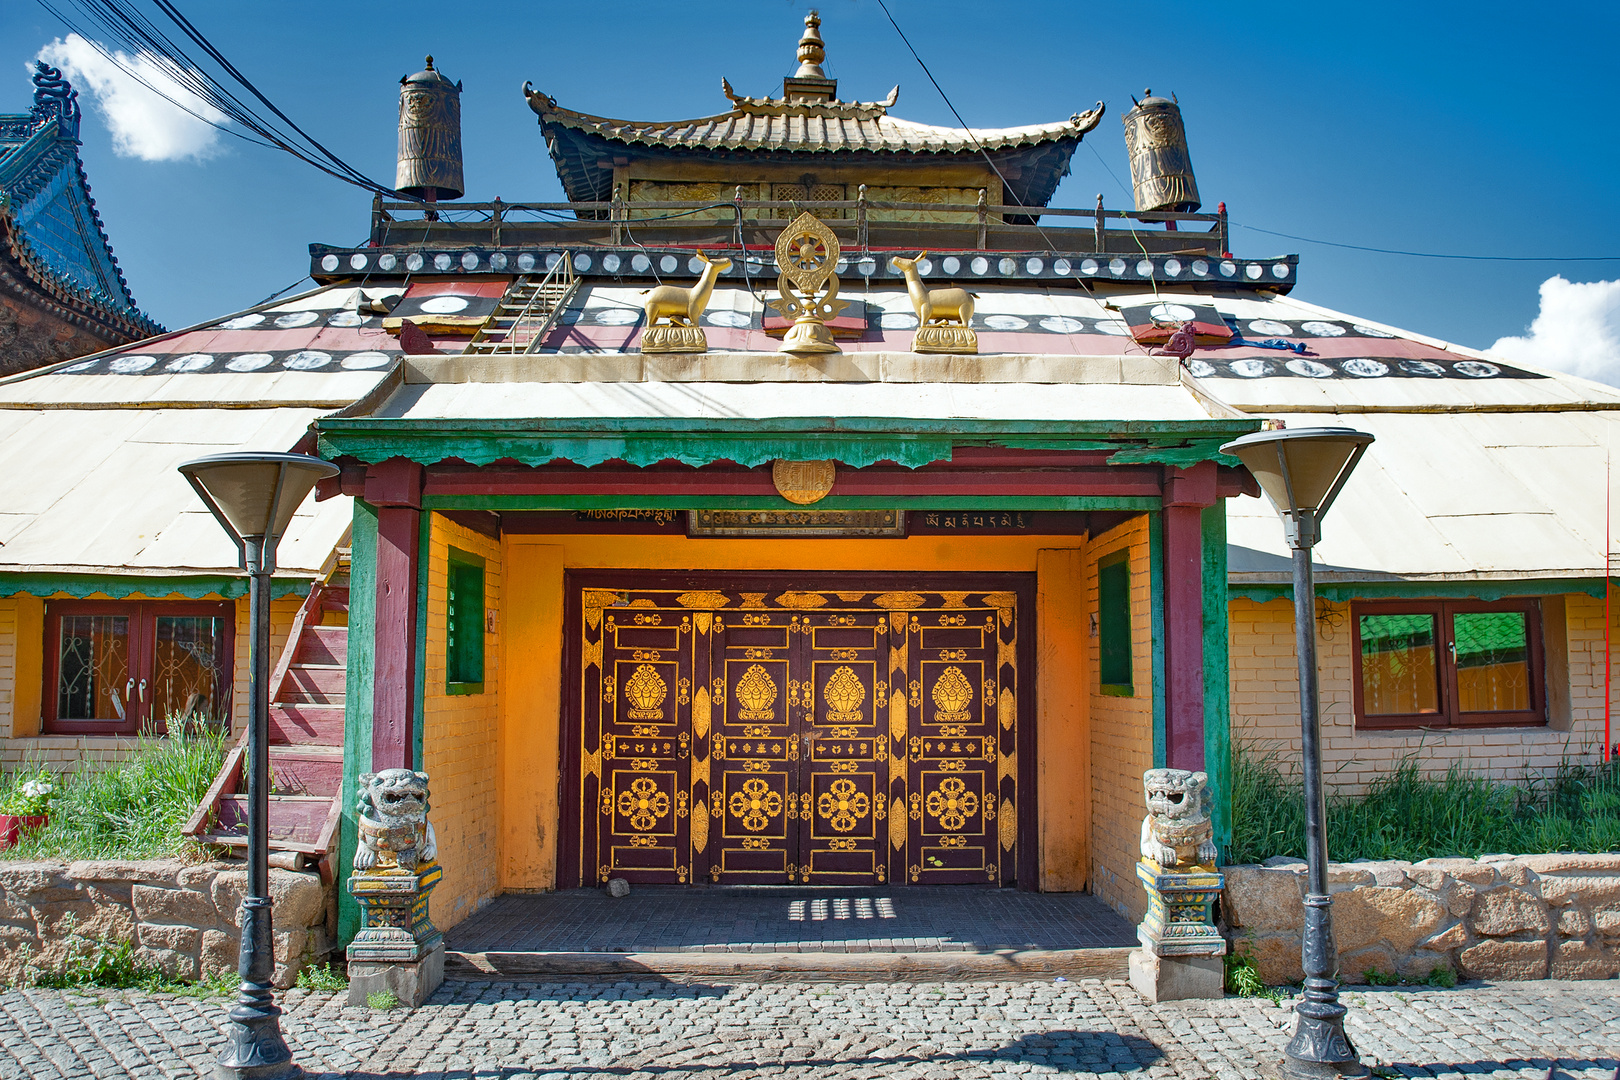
254,497
1301,471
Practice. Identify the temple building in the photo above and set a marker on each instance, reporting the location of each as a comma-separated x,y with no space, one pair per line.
806,501
61,292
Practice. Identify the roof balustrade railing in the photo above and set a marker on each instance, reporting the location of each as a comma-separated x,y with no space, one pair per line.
750,224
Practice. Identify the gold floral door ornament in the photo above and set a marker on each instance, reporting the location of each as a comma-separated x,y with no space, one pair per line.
807,259
781,730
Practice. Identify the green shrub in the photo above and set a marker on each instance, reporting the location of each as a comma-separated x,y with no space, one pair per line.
1407,815
133,810
322,978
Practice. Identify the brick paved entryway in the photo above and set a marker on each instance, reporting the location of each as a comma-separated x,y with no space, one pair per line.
905,920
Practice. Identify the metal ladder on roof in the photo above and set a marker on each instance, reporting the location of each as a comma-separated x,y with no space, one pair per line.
528,311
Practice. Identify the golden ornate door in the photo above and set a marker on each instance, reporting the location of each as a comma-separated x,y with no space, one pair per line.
754,751
844,770
777,736
643,659
961,688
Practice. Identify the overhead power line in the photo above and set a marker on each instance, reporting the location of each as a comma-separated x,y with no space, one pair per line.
134,33
1431,254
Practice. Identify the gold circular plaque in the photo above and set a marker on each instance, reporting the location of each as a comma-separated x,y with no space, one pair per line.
803,482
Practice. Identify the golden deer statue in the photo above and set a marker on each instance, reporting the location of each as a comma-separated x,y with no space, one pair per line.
683,308
944,316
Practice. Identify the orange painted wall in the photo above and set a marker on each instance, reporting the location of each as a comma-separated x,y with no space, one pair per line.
531,618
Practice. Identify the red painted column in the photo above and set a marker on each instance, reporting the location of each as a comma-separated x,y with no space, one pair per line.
1186,493
395,487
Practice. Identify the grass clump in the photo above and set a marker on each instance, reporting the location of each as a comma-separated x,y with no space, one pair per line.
1408,815
382,1000
322,978
1243,976
132,810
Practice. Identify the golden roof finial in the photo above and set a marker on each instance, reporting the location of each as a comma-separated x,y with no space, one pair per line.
812,50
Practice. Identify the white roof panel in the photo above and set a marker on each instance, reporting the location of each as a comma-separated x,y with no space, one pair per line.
97,489
710,400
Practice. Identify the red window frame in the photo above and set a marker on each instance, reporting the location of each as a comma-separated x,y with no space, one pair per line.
1449,715
143,616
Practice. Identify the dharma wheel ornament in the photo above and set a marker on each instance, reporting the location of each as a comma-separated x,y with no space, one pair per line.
806,257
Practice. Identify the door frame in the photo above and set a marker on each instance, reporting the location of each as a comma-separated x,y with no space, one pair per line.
1022,583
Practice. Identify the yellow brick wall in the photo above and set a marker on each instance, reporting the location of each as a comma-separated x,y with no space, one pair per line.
1265,700
459,734
8,666
1121,731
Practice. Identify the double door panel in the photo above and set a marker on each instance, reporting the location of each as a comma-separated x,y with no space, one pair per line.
837,738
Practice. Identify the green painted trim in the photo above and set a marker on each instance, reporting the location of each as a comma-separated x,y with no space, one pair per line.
1156,592
1135,504
1116,690
1343,592
357,701
1217,675
854,440
460,689
1191,454
424,549
119,586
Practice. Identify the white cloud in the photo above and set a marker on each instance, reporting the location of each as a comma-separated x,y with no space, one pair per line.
1577,330
143,124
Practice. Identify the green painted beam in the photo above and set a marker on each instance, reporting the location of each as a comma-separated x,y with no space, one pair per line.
1156,622
357,701
855,441
1217,675
118,586
1190,454
1340,592
831,502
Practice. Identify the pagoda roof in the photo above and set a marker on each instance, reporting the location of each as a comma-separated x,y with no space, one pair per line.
775,124
807,120
54,250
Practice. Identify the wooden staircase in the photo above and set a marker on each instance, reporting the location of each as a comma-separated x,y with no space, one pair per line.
527,312
306,737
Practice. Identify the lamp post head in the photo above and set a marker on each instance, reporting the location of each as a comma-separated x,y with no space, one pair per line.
1301,470
253,496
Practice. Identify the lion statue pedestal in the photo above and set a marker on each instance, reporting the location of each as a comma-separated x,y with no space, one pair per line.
395,870
1181,948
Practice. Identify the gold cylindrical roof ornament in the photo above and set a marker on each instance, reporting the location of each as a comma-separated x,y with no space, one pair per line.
1161,168
429,136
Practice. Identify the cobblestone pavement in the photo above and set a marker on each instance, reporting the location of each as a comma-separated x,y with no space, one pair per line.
659,1030
678,919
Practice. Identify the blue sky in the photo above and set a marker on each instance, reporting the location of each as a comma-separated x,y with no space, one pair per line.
1479,128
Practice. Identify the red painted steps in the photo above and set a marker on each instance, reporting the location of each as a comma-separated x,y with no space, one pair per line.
306,736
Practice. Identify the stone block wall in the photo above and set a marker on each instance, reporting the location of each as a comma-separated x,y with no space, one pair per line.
1265,698
181,918
1498,917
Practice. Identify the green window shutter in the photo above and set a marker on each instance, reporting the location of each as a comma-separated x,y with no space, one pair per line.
1114,623
464,624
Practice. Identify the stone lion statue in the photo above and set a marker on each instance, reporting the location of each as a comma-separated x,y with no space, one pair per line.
394,830
1176,832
